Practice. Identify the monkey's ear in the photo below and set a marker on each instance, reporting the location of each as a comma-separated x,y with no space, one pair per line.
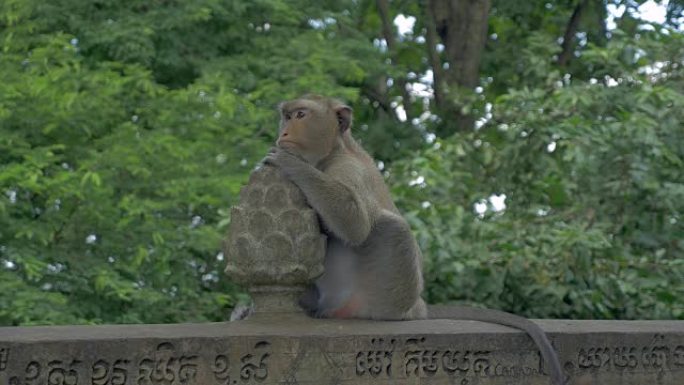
344,117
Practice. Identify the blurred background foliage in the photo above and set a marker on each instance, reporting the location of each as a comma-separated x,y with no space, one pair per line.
541,164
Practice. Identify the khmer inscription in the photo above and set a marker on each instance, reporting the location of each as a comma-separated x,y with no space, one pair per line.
512,371
63,373
378,361
456,361
678,356
4,357
420,360
166,367
31,374
104,373
625,357
253,367
657,356
426,362
221,369
404,359
56,372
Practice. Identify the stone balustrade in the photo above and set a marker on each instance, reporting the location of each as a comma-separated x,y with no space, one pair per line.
293,349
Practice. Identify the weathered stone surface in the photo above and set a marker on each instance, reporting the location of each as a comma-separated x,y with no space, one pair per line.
274,245
298,350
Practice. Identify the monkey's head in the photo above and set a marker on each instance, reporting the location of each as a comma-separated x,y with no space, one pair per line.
312,126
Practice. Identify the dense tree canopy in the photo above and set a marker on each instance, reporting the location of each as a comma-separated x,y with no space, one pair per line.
537,148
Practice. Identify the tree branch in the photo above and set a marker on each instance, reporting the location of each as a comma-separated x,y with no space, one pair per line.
462,26
433,55
388,34
570,31
372,93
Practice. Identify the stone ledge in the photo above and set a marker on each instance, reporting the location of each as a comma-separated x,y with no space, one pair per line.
297,350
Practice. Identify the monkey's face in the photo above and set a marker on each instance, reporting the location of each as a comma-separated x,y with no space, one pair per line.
307,129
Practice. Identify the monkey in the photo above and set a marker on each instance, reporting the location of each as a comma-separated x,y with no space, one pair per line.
372,265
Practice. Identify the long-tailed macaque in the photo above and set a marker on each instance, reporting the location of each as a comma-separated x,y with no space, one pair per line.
372,263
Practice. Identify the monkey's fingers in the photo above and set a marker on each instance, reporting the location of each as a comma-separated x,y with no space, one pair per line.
270,159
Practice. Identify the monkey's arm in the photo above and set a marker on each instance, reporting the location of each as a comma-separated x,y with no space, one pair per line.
337,201
507,319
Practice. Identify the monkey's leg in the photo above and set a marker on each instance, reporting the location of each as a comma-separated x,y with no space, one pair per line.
335,288
389,266
310,302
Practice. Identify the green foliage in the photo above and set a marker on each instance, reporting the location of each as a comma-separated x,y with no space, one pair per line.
128,128
116,175
593,224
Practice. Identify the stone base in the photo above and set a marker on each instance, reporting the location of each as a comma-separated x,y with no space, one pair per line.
297,350
276,299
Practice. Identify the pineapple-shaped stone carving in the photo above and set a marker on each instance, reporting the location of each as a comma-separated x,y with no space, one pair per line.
274,246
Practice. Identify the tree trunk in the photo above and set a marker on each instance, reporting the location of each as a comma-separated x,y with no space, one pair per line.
462,28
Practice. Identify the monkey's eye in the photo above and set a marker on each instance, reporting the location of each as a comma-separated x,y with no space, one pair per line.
288,116
300,114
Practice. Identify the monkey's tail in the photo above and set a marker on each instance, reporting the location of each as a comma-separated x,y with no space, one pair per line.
506,319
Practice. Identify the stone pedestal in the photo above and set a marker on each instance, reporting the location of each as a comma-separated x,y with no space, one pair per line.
274,246
276,299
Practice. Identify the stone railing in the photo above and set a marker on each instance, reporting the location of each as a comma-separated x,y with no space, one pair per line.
297,350
275,248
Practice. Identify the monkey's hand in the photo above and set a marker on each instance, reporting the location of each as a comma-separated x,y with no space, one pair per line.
289,163
271,151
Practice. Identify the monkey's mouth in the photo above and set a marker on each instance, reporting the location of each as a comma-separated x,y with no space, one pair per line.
284,143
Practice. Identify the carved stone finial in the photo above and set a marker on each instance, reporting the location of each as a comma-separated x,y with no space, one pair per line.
274,246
